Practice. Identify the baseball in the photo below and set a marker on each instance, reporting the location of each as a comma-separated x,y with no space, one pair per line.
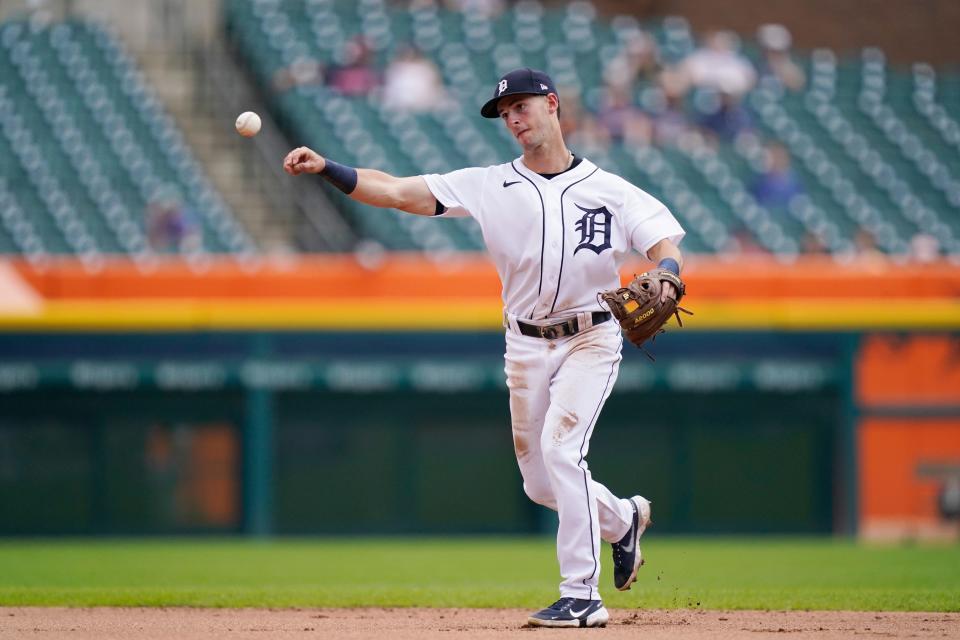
248,124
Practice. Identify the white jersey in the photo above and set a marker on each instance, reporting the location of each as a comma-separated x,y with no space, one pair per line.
555,242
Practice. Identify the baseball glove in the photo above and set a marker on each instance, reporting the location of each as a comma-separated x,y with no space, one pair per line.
638,308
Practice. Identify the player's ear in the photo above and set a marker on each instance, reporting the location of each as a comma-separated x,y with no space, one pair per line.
553,103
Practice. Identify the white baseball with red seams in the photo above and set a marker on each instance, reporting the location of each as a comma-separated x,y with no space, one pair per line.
248,124
556,242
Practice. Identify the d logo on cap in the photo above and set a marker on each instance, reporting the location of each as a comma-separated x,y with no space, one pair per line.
518,82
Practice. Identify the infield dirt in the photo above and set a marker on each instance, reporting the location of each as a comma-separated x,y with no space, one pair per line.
427,624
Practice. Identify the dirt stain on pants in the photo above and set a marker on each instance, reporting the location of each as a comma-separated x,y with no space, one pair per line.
566,424
519,410
520,446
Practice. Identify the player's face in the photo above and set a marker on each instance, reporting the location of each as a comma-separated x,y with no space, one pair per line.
526,117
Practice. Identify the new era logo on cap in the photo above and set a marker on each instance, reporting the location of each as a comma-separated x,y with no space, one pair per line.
518,81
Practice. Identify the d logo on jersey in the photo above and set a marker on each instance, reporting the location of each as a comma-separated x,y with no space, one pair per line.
594,228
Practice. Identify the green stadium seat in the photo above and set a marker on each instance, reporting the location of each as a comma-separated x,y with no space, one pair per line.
70,91
876,148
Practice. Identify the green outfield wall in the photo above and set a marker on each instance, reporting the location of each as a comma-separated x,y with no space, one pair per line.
306,433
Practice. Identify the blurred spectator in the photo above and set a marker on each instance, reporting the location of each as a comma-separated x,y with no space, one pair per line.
779,183
638,61
622,119
812,245
590,138
488,8
866,248
571,110
924,248
357,75
775,41
171,226
728,119
412,83
717,65
302,71
744,243
670,121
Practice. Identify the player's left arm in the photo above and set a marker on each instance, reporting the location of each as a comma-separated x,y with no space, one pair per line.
666,254
665,249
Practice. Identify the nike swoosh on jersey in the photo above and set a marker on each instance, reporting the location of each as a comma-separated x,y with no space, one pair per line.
577,614
508,184
629,549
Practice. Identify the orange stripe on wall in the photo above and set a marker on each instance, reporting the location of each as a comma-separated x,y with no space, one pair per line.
414,276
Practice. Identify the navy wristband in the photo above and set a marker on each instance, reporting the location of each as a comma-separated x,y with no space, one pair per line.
670,265
343,178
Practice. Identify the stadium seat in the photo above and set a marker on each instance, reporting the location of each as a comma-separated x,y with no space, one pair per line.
70,92
875,148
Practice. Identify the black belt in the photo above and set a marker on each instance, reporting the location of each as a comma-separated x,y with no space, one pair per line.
561,329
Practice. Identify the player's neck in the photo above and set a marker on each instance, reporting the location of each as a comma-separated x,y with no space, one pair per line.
551,157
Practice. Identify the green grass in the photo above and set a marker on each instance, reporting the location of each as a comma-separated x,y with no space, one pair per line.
735,573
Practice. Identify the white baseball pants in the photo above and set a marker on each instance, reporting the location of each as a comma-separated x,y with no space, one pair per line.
557,389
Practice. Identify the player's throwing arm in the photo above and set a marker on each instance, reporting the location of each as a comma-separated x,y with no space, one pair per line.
365,185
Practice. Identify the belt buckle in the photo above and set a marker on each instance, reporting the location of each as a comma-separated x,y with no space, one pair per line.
559,330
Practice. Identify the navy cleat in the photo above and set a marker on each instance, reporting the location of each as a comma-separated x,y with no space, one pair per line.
571,612
627,558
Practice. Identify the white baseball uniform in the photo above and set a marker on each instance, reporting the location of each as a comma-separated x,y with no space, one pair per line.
556,243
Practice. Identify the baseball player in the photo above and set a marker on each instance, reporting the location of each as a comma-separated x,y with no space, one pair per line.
558,229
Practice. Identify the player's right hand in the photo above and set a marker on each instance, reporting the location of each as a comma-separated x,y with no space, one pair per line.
303,160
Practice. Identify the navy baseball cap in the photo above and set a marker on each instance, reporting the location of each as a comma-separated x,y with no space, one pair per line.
529,81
